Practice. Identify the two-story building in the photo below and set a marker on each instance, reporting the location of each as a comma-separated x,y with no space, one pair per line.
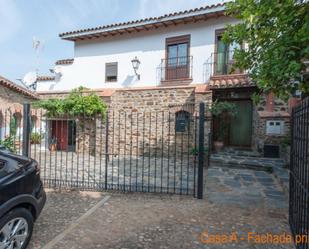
160,62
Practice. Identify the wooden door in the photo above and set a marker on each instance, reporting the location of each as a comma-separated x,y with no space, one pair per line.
240,130
60,133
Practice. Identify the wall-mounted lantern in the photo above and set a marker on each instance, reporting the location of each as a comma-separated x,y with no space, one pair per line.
135,64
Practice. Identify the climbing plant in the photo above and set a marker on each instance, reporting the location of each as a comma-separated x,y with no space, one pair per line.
75,104
220,107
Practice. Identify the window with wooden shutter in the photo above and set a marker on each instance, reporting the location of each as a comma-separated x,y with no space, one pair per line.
111,70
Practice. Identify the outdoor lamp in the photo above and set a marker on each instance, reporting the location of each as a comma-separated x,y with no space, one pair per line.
135,64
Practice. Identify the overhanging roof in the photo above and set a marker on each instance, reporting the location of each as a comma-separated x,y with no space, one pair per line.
16,88
181,17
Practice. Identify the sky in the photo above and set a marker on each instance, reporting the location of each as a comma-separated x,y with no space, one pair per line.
24,20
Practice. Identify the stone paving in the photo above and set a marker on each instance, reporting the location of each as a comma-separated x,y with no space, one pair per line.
83,171
244,187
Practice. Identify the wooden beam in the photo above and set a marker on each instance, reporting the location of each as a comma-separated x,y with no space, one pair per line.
173,22
137,30
164,24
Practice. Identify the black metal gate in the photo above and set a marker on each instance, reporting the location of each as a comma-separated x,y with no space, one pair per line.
299,175
148,151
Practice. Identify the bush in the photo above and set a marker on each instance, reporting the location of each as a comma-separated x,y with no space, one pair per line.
8,143
35,138
75,104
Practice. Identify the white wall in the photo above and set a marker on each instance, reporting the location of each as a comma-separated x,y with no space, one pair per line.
88,68
45,85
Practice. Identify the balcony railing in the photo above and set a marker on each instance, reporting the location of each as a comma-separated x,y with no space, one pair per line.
220,64
176,68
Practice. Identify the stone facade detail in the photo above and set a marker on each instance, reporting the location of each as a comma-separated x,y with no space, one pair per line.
277,110
12,98
143,121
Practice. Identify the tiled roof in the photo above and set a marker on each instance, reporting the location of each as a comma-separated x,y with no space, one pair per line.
64,61
146,23
230,81
9,84
46,78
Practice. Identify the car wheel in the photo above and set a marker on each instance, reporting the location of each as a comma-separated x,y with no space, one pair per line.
16,229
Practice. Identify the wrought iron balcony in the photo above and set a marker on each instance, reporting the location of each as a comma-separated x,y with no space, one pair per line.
220,64
176,69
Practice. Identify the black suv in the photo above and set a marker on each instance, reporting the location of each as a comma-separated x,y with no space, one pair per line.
22,198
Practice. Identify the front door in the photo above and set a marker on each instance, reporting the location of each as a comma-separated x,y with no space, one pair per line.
241,125
60,134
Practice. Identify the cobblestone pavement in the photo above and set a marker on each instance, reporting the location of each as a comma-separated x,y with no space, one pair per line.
61,209
147,221
236,200
78,170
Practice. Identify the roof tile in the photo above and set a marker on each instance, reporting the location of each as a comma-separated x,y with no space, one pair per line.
9,84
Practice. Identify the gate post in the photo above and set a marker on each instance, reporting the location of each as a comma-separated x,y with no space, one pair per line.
106,150
200,177
26,130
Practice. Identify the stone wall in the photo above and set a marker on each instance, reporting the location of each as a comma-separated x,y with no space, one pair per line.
143,122
278,112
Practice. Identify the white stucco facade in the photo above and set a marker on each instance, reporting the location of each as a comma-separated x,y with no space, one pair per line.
90,57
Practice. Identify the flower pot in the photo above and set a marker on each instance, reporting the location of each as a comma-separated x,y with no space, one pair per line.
218,145
53,147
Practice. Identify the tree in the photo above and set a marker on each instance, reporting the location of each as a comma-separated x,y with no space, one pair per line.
276,38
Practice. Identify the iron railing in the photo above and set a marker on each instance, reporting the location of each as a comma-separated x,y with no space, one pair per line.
220,64
299,174
148,151
176,68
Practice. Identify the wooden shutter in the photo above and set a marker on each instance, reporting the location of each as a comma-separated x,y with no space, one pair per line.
111,71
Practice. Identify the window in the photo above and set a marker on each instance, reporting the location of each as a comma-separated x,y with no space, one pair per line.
177,57
111,72
177,49
224,54
182,121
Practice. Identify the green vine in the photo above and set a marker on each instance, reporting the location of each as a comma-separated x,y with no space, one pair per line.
220,107
75,104
8,143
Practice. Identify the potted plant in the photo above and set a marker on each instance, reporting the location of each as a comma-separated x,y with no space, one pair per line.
223,111
35,138
194,152
53,144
